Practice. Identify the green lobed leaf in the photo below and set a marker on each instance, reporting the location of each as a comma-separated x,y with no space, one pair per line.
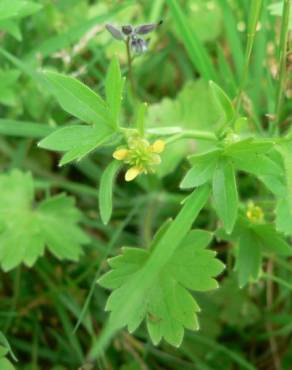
114,84
106,191
26,229
79,100
203,167
225,194
168,306
127,303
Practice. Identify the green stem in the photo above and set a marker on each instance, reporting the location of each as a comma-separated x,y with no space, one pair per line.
192,134
283,49
255,10
130,67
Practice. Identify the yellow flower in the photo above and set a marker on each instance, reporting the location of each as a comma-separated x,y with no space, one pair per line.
132,173
254,213
140,155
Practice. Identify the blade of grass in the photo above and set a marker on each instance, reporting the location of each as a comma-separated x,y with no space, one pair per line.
236,357
255,11
282,58
196,50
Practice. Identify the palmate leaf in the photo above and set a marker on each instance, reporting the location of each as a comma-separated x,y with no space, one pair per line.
126,302
219,166
254,241
82,102
168,305
25,229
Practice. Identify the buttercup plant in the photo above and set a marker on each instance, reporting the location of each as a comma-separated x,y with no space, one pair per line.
177,256
199,182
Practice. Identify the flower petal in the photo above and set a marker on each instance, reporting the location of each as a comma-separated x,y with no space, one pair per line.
132,173
158,146
120,154
115,32
146,28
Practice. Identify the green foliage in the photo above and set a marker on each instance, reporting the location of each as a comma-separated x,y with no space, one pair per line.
204,159
17,9
225,193
83,103
127,302
77,141
27,228
277,9
168,306
11,11
106,190
78,100
8,80
224,103
114,89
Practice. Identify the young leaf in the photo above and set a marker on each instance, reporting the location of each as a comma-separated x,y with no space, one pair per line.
114,88
78,99
106,191
225,194
76,140
26,229
249,258
128,303
224,102
168,306
203,167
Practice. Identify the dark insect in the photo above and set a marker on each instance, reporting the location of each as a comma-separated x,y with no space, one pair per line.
131,34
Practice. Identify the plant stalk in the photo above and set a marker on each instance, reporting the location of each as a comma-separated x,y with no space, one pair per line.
255,10
130,67
282,55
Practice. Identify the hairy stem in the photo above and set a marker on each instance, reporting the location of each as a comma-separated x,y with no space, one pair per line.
130,67
192,134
